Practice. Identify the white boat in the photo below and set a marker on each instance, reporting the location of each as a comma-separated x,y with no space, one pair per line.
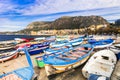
58,43
65,47
100,66
8,55
39,38
115,48
7,45
76,41
60,38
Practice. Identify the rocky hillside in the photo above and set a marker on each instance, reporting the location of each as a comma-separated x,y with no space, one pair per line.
67,23
38,24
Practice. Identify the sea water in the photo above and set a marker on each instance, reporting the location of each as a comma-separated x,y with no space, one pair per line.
12,37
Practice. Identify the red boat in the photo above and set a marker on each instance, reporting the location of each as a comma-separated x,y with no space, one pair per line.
27,39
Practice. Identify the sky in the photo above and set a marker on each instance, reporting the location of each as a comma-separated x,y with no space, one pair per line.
15,15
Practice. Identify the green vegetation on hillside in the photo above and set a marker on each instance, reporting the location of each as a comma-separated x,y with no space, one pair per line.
77,22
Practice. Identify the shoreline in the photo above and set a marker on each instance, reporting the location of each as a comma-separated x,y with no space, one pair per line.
74,74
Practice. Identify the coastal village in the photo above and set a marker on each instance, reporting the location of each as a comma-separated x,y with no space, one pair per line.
64,53
59,40
67,31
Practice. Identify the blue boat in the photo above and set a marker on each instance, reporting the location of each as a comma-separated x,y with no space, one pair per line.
76,41
58,43
66,60
38,48
51,51
51,38
101,43
25,73
64,47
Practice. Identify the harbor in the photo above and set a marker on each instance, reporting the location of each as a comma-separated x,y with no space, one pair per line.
60,40
72,74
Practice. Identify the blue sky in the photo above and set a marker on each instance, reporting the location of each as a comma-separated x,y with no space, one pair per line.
17,14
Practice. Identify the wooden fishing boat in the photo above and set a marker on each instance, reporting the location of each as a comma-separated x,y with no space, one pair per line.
51,38
76,41
51,51
101,43
87,37
58,43
100,66
39,38
38,48
24,73
61,38
6,55
65,47
35,48
39,61
63,61
7,45
115,48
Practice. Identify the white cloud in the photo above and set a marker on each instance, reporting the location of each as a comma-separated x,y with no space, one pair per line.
55,6
9,25
6,6
107,13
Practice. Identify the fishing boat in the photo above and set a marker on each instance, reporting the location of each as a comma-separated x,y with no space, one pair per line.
115,48
101,43
27,39
58,43
66,60
24,73
76,41
37,50
100,66
51,51
34,48
6,55
50,38
39,39
39,61
65,47
7,45
63,37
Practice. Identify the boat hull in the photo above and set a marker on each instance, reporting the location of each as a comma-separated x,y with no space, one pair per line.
103,46
102,63
9,57
76,43
38,50
53,69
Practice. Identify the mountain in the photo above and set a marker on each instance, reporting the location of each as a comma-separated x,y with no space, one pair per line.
38,24
67,22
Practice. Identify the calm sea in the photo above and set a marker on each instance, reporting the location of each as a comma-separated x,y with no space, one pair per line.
11,37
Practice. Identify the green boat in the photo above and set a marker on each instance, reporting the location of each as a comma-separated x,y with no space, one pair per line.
39,62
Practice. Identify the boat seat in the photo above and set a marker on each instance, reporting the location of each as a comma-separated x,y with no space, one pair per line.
67,58
77,54
63,59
